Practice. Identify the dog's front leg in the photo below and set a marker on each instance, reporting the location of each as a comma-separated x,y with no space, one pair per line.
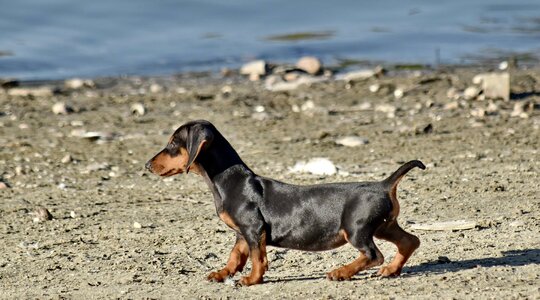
237,261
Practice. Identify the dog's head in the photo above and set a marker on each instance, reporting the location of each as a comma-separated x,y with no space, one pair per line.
182,150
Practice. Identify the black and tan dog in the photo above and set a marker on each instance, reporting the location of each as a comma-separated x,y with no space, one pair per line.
265,212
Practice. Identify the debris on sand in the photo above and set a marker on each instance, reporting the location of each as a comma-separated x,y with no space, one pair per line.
42,214
448,225
494,85
138,109
316,166
352,141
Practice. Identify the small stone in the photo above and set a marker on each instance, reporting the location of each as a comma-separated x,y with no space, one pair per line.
521,108
390,110
478,112
451,105
452,93
259,108
356,75
308,105
3,185
257,67
309,64
61,108
137,225
492,108
352,141
72,214
66,159
471,93
374,88
77,83
138,109
399,93
155,88
503,65
260,116
43,214
226,90
291,76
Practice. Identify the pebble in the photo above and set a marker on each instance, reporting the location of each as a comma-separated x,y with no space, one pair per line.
96,167
451,105
399,93
390,110
452,93
356,75
137,225
260,116
72,214
478,112
155,88
3,185
257,67
316,166
61,108
138,109
374,88
66,159
519,109
494,85
352,141
471,93
77,83
42,214
309,64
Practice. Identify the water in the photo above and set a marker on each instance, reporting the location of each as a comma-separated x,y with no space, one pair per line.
53,39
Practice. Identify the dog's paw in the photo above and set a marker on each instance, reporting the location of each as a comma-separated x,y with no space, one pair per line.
389,271
338,275
247,281
217,276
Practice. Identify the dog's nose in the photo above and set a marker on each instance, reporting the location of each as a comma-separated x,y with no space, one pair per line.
148,165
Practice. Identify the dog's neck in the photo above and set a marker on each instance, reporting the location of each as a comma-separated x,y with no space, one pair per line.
216,165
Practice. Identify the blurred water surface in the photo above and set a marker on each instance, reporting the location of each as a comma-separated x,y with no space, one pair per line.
52,39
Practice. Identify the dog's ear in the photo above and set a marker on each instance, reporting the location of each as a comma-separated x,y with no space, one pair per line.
199,138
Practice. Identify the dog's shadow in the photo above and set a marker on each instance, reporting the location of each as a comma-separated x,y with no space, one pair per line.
512,258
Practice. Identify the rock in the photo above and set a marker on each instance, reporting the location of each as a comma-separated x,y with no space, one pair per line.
137,225
452,93
399,93
352,141
471,93
61,108
503,65
390,110
66,159
309,64
449,225
138,109
155,88
3,185
478,112
72,214
494,85
356,75
257,67
374,88
42,214
254,77
260,116
259,108
77,83
492,108
521,109
317,166
451,105
43,91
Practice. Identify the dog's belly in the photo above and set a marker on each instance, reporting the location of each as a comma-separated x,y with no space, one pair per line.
308,238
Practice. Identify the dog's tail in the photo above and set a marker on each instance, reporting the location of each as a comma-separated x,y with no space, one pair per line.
392,181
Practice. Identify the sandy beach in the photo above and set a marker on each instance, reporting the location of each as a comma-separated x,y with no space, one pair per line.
78,150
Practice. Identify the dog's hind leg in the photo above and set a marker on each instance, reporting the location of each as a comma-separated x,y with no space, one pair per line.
405,242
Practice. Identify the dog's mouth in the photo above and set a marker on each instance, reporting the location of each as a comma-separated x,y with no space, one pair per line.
171,172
